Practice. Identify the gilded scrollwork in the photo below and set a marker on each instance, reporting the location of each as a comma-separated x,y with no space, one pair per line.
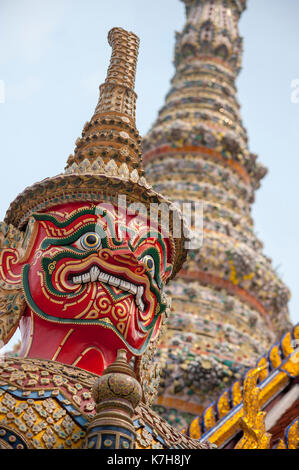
253,420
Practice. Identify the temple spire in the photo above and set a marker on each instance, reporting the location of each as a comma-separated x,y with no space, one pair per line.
211,31
202,105
117,93
110,137
228,302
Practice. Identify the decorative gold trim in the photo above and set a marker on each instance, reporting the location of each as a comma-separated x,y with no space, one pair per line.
31,335
62,343
219,431
83,354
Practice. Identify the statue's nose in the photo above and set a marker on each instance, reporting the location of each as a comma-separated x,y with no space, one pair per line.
125,257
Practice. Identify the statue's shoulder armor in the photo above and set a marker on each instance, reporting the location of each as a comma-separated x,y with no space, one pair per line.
153,432
46,404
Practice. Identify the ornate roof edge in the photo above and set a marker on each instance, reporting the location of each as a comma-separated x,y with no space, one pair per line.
220,421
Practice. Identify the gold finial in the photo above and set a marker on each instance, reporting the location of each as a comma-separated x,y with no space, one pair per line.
116,393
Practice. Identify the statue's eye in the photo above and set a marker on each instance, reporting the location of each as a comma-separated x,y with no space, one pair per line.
149,263
89,241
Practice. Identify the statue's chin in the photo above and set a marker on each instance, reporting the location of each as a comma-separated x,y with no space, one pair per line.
91,345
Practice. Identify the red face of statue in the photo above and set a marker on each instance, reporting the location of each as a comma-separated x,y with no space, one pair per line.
93,279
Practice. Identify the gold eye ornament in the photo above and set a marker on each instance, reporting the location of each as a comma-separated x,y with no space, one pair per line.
149,263
89,241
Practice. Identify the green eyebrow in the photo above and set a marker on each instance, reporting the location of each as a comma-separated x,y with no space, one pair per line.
64,224
72,238
68,221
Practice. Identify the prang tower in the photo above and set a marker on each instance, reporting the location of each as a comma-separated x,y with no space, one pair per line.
228,303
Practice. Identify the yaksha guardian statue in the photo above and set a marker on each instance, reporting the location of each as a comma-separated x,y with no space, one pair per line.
84,258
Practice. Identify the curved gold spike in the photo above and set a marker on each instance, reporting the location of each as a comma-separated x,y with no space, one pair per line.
286,344
209,418
223,406
291,366
292,435
236,393
281,445
263,366
274,356
194,430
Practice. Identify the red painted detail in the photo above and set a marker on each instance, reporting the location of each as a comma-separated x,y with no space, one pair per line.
166,149
229,286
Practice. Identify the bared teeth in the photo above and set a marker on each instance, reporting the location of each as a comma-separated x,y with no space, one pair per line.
85,277
96,275
103,277
140,304
132,289
125,285
138,298
139,292
77,279
114,281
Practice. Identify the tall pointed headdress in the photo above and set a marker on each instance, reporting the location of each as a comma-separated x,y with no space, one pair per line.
107,158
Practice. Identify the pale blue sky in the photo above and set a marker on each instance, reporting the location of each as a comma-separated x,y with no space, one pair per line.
54,54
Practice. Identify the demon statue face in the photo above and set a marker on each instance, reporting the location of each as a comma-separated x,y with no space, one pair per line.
81,274
92,279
